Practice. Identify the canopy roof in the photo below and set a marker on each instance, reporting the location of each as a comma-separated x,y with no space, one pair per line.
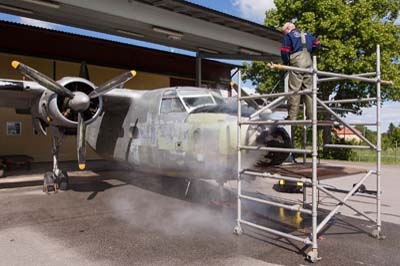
172,23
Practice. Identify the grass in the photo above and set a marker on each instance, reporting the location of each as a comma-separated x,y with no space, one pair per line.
389,156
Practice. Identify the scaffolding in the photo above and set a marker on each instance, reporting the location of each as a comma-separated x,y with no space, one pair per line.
311,209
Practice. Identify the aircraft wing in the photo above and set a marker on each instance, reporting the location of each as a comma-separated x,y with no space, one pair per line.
19,94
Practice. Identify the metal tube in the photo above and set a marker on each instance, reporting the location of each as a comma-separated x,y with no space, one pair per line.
336,123
378,139
304,135
260,148
356,100
198,69
272,203
337,78
334,211
239,163
314,157
275,232
276,176
343,146
284,67
273,95
329,74
344,203
369,80
277,122
268,106
346,124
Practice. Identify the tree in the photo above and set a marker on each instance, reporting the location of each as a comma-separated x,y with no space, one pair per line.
391,129
349,30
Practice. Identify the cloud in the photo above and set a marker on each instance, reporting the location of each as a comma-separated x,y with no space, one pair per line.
38,23
389,114
253,10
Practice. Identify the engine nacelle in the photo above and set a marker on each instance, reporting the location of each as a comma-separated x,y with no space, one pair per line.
54,109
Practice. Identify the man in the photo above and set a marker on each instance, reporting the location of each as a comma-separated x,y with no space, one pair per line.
296,51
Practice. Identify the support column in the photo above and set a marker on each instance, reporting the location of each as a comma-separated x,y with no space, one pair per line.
198,69
378,141
313,255
238,228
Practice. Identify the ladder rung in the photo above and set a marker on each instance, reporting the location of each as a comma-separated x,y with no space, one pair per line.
277,122
276,176
343,146
281,205
288,150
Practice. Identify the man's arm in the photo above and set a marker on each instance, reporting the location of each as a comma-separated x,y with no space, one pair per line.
285,49
315,43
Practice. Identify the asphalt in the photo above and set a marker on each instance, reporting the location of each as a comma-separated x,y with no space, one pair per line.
127,218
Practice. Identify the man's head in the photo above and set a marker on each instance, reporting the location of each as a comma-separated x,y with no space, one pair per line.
288,27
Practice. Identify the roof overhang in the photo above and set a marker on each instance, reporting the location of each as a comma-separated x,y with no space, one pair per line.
172,23
77,48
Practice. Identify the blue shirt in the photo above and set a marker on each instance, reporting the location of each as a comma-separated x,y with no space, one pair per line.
292,44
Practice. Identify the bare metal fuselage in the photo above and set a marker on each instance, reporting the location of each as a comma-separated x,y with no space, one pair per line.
179,144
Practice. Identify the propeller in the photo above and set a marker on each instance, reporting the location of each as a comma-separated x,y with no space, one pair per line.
81,142
111,84
77,101
42,79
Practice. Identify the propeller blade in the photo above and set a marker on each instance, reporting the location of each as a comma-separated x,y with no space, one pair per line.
81,141
84,72
111,84
42,79
250,102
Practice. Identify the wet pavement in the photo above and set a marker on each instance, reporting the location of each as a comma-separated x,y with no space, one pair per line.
128,218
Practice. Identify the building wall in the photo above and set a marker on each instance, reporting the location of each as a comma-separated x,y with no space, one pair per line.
39,147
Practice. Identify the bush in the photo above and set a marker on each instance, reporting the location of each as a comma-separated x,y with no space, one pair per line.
340,153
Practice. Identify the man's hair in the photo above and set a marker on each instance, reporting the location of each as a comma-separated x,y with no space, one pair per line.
288,25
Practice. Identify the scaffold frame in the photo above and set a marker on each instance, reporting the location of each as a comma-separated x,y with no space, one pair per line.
312,239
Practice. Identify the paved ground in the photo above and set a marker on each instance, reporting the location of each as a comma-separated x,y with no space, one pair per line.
126,218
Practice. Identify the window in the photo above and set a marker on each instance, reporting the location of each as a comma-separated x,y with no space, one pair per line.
13,128
171,105
192,102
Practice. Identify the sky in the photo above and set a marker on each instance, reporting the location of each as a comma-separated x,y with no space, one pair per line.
252,10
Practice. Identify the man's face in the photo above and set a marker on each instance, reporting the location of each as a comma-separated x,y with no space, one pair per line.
286,30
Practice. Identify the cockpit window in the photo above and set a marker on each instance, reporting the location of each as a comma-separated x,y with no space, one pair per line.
172,105
193,102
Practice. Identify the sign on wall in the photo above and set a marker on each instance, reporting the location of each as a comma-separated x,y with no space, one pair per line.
13,128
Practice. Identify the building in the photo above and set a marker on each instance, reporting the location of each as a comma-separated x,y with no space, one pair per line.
347,134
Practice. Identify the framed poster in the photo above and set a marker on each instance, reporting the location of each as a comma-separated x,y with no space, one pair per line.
13,128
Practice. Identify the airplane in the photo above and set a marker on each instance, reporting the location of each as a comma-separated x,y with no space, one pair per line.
185,132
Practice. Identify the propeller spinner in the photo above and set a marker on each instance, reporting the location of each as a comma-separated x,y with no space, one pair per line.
78,101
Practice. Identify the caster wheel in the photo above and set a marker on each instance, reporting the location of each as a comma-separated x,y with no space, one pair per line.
312,256
237,230
378,235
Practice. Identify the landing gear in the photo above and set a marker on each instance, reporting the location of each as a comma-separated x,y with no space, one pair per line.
189,182
57,179
53,182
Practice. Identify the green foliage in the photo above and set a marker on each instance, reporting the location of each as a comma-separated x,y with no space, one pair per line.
339,154
350,29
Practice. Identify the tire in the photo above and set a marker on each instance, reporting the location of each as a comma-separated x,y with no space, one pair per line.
278,138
